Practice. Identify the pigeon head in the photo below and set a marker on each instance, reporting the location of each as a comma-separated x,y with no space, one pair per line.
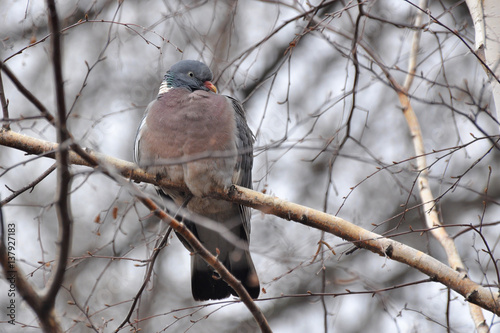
190,74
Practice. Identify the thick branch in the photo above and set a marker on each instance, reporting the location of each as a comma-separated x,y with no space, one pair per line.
35,146
62,203
362,238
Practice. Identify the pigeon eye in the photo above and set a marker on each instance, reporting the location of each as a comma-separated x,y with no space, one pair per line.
191,74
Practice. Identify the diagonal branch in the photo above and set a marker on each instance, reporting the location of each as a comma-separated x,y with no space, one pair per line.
200,250
26,92
31,185
458,281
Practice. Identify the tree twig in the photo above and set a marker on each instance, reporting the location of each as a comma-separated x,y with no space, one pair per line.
25,91
30,185
147,277
4,104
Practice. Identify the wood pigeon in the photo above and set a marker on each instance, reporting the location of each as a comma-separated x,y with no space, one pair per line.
192,135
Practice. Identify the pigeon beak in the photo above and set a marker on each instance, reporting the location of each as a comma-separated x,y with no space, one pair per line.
210,86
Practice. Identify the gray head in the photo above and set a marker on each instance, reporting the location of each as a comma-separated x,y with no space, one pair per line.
190,74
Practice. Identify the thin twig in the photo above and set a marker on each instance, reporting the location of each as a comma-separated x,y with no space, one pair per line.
45,112
86,20
29,186
27,93
147,277
423,9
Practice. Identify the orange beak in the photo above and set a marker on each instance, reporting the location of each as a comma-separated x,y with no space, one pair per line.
210,86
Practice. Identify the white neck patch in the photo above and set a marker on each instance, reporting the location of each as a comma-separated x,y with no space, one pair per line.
163,88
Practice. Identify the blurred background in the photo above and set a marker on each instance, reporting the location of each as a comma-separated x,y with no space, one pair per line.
330,134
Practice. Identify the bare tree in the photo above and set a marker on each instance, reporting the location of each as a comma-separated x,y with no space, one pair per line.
375,130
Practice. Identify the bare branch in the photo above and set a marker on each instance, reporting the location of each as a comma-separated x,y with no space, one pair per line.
130,170
200,250
435,20
363,238
25,91
62,204
426,196
147,277
31,185
458,281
